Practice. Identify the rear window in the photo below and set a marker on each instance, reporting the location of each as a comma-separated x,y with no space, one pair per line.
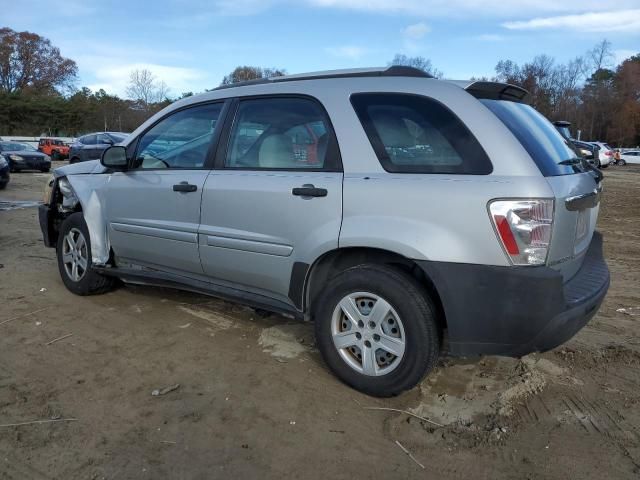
551,152
416,134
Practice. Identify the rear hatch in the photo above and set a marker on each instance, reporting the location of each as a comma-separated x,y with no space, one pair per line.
575,184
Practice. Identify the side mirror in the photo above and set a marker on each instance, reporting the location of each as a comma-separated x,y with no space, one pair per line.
115,157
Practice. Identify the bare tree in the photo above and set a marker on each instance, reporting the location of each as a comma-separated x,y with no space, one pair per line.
30,62
601,56
416,62
144,88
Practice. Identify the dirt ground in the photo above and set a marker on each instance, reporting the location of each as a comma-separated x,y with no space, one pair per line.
255,400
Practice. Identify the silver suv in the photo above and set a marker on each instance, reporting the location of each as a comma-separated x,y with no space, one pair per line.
392,209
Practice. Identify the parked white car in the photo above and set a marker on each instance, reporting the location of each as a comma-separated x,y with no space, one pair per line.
631,156
606,154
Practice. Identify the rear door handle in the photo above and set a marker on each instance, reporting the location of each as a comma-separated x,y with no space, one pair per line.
185,187
309,190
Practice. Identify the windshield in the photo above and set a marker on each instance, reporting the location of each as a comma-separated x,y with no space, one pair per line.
15,147
553,154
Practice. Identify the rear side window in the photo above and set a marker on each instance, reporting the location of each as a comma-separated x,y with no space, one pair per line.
551,152
282,134
416,134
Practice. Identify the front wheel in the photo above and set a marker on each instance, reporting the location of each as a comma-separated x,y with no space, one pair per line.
622,163
74,259
377,330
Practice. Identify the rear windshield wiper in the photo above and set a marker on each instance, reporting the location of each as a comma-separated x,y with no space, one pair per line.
570,161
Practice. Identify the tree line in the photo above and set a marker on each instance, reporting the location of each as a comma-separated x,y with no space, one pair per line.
38,93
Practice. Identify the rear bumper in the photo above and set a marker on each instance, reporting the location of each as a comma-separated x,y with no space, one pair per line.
517,310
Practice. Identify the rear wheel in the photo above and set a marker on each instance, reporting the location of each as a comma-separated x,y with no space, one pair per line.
74,160
377,330
44,170
622,162
74,259
55,155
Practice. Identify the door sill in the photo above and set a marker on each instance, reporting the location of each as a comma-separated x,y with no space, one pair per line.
164,279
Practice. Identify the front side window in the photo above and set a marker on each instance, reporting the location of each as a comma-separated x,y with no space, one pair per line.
104,139
117,137
416,134
281,133
88,140
181,140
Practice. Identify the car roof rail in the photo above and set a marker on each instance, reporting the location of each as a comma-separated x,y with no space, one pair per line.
392,71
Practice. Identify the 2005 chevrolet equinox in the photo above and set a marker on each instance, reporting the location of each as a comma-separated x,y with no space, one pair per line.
392,209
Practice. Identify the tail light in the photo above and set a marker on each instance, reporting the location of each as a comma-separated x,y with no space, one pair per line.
524,229
607,153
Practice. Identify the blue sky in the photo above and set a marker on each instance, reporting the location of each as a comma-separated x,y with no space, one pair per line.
192,44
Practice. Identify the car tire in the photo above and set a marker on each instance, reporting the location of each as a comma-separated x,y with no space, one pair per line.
74,259
74,160
44,170
55,155
3,185
408,307
622,163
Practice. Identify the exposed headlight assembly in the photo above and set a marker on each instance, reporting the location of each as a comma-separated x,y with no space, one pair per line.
48,190
69,199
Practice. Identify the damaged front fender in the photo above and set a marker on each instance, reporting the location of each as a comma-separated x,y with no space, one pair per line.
89,191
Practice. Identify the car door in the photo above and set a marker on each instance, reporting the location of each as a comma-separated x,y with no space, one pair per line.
88,143
102,142
266,207
153,208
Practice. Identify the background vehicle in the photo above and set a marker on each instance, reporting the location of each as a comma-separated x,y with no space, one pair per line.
606,154
589,151
91,146
53,147
209,195
631,156
4,172
22,156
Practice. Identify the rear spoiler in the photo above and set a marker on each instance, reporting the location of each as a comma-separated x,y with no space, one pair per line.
497,91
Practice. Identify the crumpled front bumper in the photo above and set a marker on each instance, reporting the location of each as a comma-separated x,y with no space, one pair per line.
44,213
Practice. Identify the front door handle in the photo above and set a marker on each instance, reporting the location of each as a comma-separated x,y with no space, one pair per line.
185,187
309,190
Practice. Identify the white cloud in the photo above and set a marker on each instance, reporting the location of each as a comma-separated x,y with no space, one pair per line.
416,31
486,8
352,52
611,21
115,78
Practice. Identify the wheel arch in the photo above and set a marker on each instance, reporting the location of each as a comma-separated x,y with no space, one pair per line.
338,260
